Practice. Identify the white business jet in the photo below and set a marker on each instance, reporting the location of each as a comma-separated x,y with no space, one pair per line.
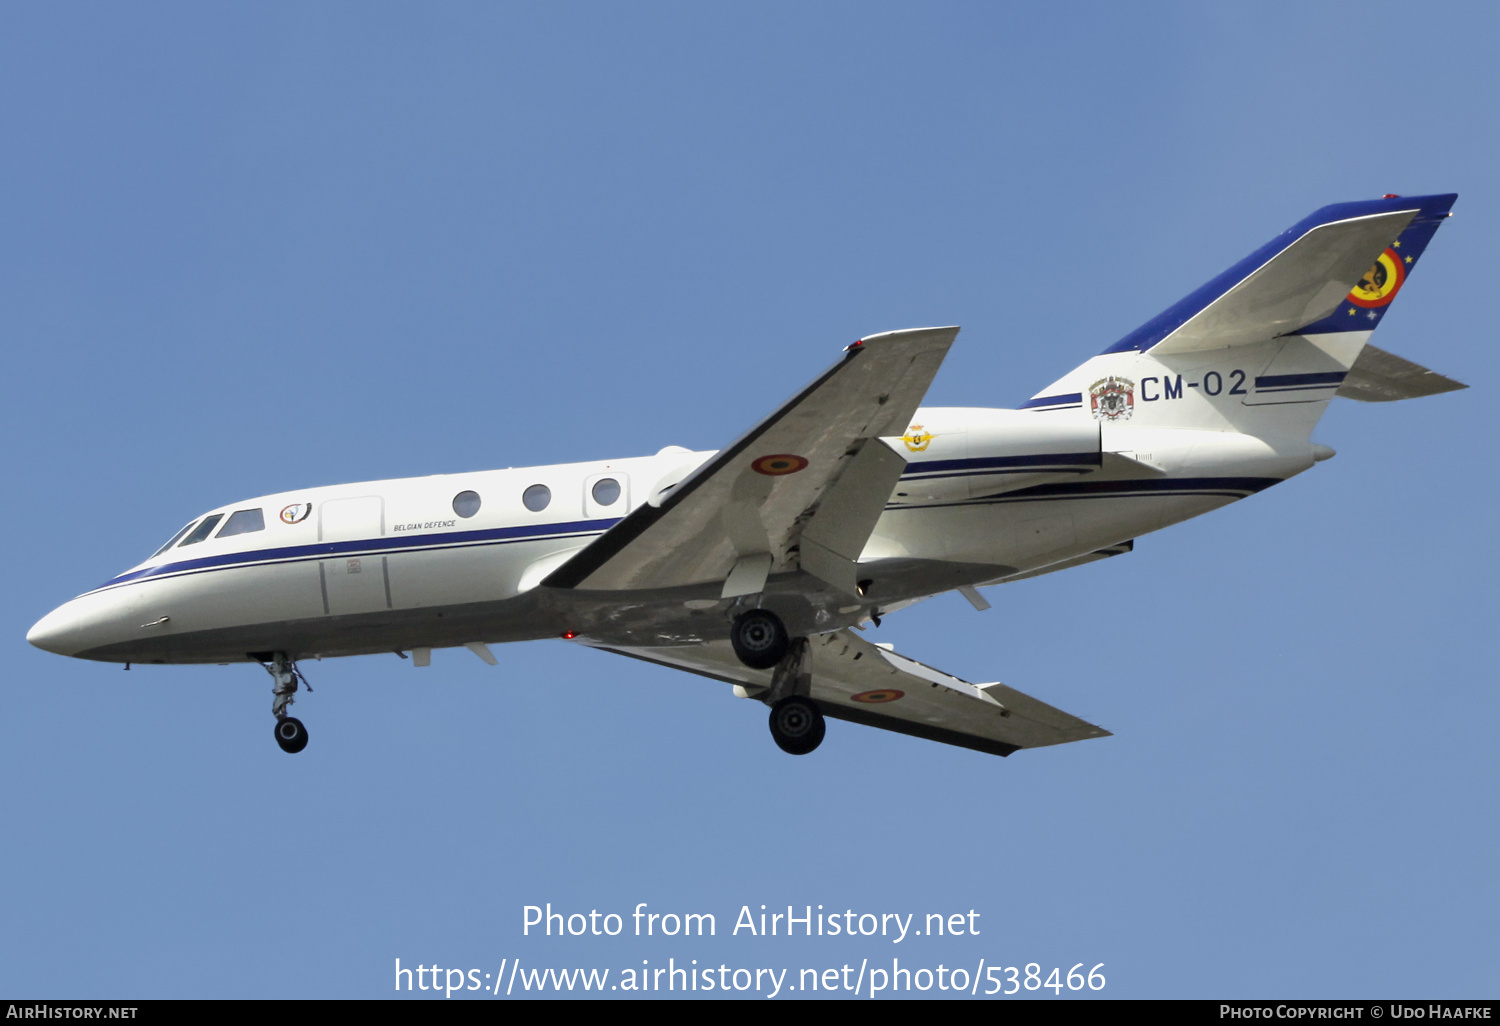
759,565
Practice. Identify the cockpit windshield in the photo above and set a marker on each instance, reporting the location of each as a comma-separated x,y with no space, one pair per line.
175,539
243,521
203,530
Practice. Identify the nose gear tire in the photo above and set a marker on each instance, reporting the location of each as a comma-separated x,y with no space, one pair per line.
291,735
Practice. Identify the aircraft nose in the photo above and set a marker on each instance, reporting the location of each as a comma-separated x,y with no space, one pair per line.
57,631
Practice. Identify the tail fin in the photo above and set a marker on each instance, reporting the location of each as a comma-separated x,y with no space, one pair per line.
1262,347
1337,270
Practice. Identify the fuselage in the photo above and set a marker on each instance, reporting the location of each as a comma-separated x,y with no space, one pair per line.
988,495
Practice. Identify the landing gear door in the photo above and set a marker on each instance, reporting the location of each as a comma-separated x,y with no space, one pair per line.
354,578
606,496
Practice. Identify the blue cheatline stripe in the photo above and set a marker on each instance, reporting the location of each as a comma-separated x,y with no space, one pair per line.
1233,487
367,546
1001,464
1283,380
1053,400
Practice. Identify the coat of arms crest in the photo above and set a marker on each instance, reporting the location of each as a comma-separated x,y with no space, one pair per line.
1112,398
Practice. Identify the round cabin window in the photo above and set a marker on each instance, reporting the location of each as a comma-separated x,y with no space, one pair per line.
537,497
466,504
606,491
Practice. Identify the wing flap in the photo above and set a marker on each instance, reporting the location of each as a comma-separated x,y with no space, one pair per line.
836,535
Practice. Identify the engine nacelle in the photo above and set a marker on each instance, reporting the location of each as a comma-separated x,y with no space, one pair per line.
955,453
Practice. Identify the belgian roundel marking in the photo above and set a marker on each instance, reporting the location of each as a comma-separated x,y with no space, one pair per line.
1381,282
781,463
876,697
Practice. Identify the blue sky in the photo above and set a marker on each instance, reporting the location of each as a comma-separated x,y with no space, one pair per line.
258,247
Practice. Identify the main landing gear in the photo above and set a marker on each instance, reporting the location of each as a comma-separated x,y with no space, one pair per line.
291,735
760,641
797,725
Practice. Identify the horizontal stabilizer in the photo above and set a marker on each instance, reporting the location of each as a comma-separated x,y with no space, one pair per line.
1381,377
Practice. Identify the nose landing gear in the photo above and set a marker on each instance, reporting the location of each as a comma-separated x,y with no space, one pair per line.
291,735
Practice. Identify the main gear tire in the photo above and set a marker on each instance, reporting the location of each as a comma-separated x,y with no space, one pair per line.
759,639
797,725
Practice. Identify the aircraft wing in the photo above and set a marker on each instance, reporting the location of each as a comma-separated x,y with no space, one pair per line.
854,679
753,508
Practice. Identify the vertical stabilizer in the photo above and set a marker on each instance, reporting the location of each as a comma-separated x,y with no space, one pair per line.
1261,348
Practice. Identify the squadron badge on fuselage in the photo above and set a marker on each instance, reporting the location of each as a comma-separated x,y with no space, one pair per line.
296,513
1112,398
917,438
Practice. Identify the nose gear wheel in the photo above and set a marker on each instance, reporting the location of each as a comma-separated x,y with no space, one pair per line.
291,735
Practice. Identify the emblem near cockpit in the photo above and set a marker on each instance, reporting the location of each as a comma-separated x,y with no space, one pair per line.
296,513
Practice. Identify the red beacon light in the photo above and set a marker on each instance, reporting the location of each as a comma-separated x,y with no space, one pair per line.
569,635
1391,195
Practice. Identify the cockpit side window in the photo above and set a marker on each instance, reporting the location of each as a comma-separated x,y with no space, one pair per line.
175,539
203,530
243,521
